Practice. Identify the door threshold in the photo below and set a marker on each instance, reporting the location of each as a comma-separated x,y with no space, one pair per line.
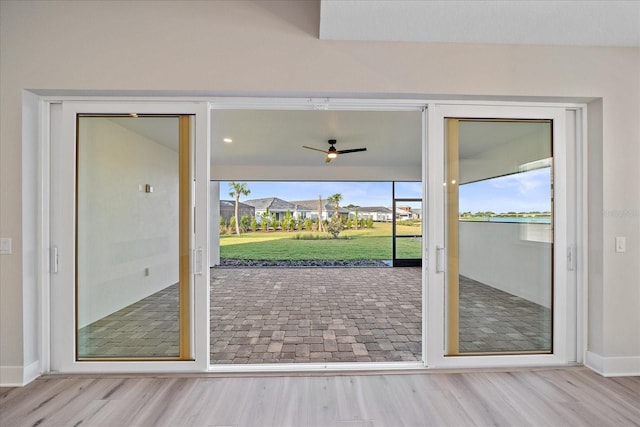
348,367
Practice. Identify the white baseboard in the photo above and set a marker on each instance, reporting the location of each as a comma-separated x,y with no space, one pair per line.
19,376
613,366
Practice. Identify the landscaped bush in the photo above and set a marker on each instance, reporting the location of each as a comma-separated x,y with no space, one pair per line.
335,226
254,224
244,223
223,226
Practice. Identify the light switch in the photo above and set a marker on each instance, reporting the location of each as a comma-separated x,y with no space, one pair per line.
621,244
5,245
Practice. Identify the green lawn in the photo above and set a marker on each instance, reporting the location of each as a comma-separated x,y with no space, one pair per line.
374,244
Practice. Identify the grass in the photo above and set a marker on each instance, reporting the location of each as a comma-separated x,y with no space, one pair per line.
369,243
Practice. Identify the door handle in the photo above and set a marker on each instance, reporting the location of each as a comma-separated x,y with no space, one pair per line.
54,259
197,262
440,259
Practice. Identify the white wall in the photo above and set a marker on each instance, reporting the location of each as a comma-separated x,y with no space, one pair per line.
236,48
123,231
498,255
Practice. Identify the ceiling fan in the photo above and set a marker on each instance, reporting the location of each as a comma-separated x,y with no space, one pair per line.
332,152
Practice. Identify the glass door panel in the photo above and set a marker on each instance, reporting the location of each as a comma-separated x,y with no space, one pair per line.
499,192
134,231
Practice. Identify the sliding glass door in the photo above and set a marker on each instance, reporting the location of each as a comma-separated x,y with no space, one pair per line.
129,227
500,288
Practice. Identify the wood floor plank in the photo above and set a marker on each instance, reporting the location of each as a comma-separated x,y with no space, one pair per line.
540,397
323,406
352,404
293,403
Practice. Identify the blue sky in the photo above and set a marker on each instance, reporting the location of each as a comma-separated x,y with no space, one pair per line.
356,193
523,192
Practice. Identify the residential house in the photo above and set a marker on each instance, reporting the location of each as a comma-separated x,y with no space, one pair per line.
277,208
309,209
405,213
227,209
376,213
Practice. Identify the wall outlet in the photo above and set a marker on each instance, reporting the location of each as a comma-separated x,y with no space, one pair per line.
5,245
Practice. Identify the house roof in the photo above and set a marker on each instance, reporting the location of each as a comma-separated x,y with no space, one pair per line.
232,204
377,209
274,204
312,205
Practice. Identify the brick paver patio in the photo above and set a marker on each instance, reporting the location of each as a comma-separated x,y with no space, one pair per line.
267,315
291,315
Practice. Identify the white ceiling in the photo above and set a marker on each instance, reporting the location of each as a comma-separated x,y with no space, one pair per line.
537,22
275,137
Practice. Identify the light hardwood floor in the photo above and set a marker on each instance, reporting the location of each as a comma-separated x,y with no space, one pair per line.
526,397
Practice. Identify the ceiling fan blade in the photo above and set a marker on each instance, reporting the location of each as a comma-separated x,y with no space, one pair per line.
355,150
316,149
328,159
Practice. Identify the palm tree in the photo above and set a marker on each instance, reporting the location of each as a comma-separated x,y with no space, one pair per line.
335,200
238,189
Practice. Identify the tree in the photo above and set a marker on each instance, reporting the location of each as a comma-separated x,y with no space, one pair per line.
335,201
335,226
320,212
238,189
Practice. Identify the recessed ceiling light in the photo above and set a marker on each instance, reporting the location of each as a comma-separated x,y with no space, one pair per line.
228,140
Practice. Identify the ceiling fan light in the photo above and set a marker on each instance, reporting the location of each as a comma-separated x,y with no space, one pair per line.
332,155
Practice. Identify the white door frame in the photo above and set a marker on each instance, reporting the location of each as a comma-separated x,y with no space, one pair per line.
62,232
567,314
433,315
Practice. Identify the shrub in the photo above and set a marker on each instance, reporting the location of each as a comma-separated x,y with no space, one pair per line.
244,223
232,223
335,226
254,224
